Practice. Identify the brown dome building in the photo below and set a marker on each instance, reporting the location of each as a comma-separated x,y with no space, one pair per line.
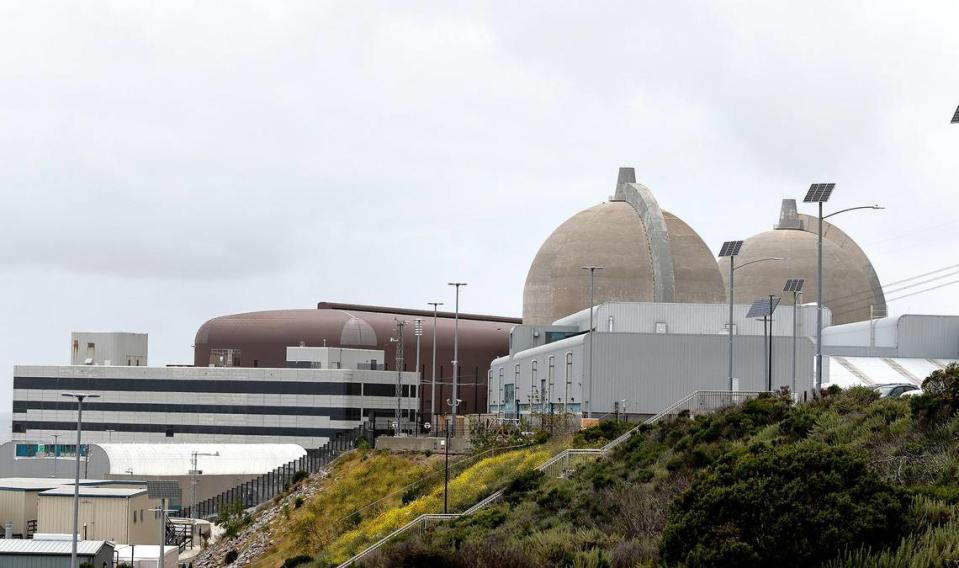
851,288
649,255
260,339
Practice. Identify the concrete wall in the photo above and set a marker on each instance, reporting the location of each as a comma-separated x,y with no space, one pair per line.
120,349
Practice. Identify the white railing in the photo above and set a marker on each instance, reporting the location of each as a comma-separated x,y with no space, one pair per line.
564,462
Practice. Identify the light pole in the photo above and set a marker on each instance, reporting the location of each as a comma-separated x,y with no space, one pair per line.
399,372
731,249
193,479
56,454
446,482
418,330
163,513
76,482
819,193
433,380
456,351
589,387
794,285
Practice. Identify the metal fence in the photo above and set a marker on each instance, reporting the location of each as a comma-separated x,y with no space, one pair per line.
273,483
563,463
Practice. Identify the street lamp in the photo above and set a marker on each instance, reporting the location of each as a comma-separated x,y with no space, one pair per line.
819,193
433,380
456,350
418,331
589,387
731,249
794,285
56,453
446,482
398,339
76,484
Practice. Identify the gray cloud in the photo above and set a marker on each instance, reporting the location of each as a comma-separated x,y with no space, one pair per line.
163,164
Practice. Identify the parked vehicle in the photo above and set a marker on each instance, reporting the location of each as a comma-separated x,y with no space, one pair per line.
894,390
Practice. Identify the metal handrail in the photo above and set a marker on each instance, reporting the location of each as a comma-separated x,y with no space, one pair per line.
565,454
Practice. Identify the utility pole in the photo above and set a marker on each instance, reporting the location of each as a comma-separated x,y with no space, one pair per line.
769,380
56,453
589,406
76,484
418,329
193,475
433,380
163,513
456,352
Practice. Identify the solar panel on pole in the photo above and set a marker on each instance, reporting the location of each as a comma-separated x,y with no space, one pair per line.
730,248
794,285
762,308
819,193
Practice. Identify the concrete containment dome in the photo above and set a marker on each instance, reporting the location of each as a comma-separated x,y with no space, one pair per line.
851,289
649,255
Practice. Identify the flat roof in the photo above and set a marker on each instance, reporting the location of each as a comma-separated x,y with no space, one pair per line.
67,491
177,459
41,483
50,547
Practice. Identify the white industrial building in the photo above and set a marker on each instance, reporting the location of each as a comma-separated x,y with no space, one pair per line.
647,356
304,406
111,348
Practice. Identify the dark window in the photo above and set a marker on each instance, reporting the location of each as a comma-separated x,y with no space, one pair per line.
169,434
256,363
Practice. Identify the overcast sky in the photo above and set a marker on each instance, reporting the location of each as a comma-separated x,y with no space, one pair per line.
163,163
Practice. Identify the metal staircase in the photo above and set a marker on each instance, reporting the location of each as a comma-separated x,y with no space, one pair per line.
566,461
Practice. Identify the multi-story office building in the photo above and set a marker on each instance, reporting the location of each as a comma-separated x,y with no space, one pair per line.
304,406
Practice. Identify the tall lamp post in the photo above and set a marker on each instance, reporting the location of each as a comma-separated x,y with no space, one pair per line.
456,351
446,481
794,285
589,380
56,453
418,331
731,249
819,193
433,380
76,482
400,324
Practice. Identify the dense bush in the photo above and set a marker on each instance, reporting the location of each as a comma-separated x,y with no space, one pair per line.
603,432
940,398
786,506
230,557
296,560
299,476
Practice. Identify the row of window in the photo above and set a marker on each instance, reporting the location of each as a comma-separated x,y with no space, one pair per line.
205,385
539,388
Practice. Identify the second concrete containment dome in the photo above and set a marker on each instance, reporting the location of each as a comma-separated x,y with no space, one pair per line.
648,255
851,289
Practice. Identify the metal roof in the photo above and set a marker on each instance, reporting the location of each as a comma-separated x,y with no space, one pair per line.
176,459
36,483
67,491
56,547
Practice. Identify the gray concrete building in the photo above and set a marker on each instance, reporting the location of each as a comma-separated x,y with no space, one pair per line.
111,348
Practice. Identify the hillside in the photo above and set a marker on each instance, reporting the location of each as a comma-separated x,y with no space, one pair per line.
846,481
325,519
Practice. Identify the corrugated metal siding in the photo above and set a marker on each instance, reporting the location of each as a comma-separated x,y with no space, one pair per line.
929,336
653,371
12,508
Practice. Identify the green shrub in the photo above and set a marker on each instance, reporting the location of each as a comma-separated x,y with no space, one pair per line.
298,502
299,476
940,398
87,565
230,557
362,443
296,560
603,432
523,484
784,506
